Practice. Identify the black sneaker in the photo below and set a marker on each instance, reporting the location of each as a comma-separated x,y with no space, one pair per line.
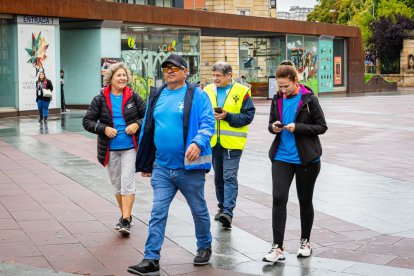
40,119
203,256
125,227
225,220
119,224
145,267
219,212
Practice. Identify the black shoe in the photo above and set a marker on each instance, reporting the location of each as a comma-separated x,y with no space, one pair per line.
40,119
225,220
145,267
119,224
45,119
125,227
203,256
219,212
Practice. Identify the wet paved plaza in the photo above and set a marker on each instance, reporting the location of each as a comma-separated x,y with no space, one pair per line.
57,208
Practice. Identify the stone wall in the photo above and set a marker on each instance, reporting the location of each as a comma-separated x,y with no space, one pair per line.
406,76
407,50
378,83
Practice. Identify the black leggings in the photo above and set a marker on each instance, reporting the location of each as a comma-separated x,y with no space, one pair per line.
282,176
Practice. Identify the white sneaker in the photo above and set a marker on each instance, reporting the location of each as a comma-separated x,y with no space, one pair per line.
275,254
305,249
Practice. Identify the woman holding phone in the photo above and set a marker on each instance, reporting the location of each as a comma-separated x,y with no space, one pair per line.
296,118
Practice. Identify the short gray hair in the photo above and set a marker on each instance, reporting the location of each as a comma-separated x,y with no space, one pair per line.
112,69
222,67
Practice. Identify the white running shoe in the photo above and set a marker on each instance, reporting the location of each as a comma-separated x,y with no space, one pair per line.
305,249
275,254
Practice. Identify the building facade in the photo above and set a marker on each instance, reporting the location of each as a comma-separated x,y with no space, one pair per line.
295,13
215,48
83,38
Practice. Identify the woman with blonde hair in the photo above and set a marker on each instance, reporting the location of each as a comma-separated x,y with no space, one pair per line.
116,116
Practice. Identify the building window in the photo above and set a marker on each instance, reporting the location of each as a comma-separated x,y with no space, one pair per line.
243,12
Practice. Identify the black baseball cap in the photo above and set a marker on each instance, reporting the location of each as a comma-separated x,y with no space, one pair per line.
177,60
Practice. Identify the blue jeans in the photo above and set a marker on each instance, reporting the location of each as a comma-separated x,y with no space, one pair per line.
165,183
226,165
43,107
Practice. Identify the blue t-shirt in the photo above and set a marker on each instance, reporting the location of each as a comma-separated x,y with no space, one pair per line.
168,134
122,140
222,94
287,151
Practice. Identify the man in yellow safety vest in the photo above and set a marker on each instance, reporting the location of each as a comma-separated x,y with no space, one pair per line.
234,111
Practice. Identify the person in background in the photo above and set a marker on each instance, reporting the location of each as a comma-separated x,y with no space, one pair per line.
116,116
243,81
234,111
174,150
42,101
62,93
296,118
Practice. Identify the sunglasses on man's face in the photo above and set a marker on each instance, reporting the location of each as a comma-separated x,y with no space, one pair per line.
175,69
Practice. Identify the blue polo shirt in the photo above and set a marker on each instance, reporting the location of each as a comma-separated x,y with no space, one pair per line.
168,134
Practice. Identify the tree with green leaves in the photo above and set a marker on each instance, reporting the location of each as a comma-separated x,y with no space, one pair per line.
387,39
360,13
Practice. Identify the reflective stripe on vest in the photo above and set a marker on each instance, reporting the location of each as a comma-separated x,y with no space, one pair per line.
230,137
233,133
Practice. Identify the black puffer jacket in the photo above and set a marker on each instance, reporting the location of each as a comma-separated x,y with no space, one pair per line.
309,123
99,116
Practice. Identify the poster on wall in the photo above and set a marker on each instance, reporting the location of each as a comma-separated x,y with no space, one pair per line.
272,87
325,66
308,75
36,53
337,70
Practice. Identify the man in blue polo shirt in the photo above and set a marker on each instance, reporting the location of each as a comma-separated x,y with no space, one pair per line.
174,149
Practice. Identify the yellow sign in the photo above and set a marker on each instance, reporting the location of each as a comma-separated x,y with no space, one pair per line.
150,83
131,42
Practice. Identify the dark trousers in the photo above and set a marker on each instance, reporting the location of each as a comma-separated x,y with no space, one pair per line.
282,176
62,99
226,166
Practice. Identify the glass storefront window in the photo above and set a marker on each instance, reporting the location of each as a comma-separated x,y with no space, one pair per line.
144,48
258,57
308,74
295,51
303,52
8,76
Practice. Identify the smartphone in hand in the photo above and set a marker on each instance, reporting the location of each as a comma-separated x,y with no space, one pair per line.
279,125
218,109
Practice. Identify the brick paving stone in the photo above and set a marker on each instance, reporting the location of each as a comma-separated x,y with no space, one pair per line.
54,200
73,258
357,256
8,224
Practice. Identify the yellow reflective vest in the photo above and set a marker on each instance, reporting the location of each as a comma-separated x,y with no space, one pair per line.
229,137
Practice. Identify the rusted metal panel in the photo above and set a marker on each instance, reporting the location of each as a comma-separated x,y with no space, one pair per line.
209,22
